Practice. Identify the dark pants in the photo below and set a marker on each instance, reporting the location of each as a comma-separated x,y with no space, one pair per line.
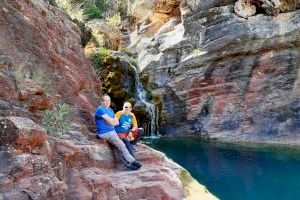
128,146
137,136
113,139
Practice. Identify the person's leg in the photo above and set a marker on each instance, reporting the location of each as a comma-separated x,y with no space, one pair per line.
129,161
113,138
137,135
128,146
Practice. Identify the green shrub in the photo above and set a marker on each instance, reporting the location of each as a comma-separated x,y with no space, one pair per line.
65,4
100,4
104,52
73,9
78,15
91,11
55,120
99,38
99,58
115,20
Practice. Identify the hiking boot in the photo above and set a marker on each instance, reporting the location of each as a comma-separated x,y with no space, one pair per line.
132,167
137,164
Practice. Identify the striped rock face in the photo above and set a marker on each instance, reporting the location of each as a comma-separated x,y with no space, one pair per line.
224,76
41,61
41,58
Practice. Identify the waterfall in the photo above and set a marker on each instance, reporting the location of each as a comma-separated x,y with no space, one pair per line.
141,95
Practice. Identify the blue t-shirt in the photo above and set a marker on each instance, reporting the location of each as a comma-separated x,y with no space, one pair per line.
125,122
101,124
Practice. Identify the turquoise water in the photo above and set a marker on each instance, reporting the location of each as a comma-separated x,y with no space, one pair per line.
237,171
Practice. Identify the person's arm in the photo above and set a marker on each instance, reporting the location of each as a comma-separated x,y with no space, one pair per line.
110,120
134,123
118,115
100,113
134,127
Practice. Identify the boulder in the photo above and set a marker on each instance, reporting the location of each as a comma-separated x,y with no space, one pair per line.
42,103
244,8
23,134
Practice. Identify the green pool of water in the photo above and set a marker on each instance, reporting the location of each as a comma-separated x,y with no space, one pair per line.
238,171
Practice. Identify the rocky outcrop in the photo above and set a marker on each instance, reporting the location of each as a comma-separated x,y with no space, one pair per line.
81,168
111,36
41,63
223,76
151,15
246,8
42,60
22,134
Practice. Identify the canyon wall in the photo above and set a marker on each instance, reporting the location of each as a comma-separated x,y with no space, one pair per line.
42,65
224,69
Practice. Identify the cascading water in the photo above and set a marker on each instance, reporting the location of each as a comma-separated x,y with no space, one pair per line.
141,95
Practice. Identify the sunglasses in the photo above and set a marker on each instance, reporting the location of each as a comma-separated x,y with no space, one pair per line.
127,106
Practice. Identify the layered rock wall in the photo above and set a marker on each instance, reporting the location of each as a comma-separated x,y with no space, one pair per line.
42,60
221,75
42,63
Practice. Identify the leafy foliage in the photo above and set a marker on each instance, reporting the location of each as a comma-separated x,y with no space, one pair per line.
102,56
65,4
99,38
100,4
55,120
115,20
82,10
91,11
74,11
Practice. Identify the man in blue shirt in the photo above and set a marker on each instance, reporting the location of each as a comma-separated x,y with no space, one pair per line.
105,121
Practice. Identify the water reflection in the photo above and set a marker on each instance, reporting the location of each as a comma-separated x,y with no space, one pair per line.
238,171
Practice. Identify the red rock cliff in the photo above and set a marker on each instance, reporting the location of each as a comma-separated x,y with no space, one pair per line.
41,63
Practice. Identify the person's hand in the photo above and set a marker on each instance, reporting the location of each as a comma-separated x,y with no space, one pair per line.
108,121
130,136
